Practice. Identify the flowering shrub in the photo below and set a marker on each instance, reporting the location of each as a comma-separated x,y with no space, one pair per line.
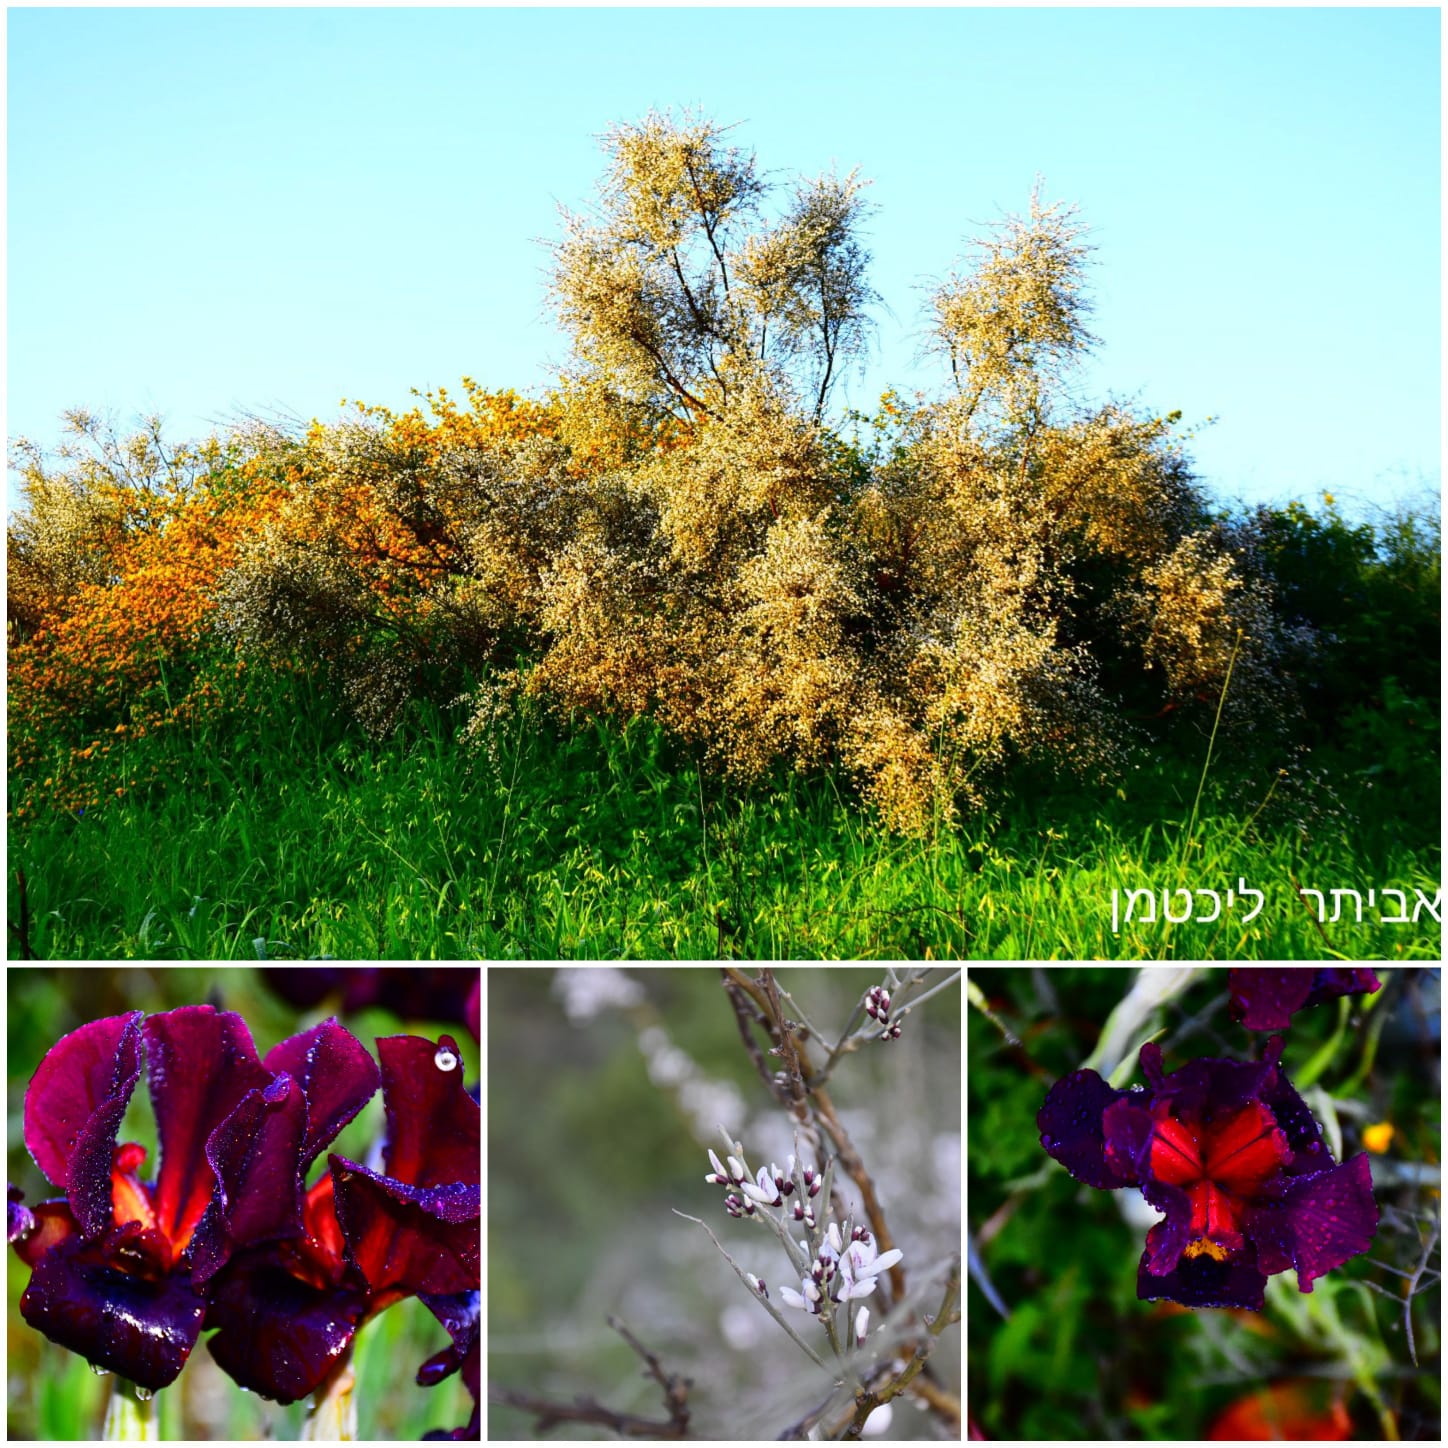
677,531
111,627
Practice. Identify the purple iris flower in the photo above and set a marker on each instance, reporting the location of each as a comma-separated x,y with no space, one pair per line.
1264,999
286,1306
112,1262
1232,1156
229,1236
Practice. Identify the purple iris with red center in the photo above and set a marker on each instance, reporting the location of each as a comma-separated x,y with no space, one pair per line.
128,1272
1232,1157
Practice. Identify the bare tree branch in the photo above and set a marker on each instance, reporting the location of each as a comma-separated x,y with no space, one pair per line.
586,1410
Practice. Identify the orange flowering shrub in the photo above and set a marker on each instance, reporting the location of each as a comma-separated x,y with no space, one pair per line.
110,631
422,548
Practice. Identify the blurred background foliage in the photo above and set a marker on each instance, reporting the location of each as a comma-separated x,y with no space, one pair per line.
1060,1347
605,1089
52,1393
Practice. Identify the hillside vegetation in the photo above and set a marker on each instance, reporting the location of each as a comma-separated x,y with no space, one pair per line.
675,660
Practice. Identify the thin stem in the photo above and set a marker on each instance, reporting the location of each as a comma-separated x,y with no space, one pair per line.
913,1001
332,1417
804,1020
132,1414
764,1302
945,1315
847,1042
1211,744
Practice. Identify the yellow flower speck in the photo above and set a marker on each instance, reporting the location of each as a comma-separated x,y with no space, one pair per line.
1379,1137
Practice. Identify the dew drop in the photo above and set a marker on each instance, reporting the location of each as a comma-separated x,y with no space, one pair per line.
444,1060
99,1371
144,1395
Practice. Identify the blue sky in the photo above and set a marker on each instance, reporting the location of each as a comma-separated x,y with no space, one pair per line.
215,210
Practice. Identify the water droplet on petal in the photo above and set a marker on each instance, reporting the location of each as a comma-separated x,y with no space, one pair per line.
99,1371
444,1060
144,1395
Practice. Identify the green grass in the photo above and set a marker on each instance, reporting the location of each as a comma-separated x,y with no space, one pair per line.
289,835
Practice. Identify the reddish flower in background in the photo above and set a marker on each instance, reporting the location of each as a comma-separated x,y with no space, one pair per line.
1264,999
1231,1155
1285,1412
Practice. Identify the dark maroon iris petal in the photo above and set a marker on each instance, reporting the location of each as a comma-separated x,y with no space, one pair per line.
1126,1129
278,1336
1071,1129
254,1154
1319,1222
460,1314
1299,1126
1203,1282
1209,1084
50,1223
261,1152
202,1062
337,1077
141,1323
1264,999
73,1109
415,1229
434,1128
409,1239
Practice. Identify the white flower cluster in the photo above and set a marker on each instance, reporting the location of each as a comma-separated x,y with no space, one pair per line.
840,1273
769,1188
840,1264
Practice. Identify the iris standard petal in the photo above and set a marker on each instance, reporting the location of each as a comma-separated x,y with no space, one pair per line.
201,1063
434,1128
256,1156
336,1074
73,1109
